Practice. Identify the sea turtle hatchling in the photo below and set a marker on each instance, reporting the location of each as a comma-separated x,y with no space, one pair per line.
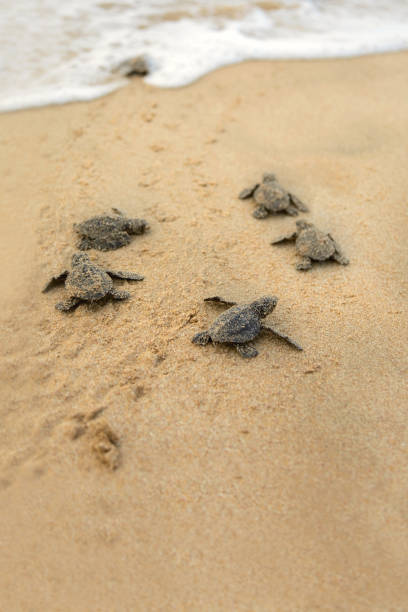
240,324
313,245
108,233
135,66
88,282
272,198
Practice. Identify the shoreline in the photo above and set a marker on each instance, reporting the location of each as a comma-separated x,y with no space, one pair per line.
274,483
203,76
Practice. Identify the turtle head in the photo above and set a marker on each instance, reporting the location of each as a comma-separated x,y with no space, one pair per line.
268,177
137,226
264,305
302,225
79,259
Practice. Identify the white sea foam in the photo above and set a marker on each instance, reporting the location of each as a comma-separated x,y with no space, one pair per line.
52,52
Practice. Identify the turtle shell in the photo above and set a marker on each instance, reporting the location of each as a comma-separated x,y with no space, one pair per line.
237,324
88,282
98,227
315,244
271,195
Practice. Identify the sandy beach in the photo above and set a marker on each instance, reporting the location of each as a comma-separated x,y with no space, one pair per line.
273,484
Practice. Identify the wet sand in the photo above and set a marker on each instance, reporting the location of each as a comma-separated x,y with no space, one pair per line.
278,483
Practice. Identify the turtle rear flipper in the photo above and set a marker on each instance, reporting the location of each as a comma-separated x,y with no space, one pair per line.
246,350
55,280
119,295
260,213
68,304
202,338
304,264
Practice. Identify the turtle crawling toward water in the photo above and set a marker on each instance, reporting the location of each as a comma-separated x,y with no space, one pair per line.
108,233
272,198
88,282
136,66
313,245
240,324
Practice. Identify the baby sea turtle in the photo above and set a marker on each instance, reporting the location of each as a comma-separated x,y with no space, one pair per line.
313,245
88,282
240,324
108,233
272,198
135,66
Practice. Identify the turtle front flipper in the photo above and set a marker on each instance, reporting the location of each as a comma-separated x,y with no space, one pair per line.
338,255
68,304
260,213
298,203
246,350
201,338
55,280
125,275
283,336
248,192
219,300
291,236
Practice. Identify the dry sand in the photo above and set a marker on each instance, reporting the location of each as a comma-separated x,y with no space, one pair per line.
278,483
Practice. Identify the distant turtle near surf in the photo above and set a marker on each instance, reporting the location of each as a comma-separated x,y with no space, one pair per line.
136,66
108,233
272,198
313,245
88,282
241,324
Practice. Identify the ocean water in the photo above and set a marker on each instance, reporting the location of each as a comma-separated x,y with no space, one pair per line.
54,52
